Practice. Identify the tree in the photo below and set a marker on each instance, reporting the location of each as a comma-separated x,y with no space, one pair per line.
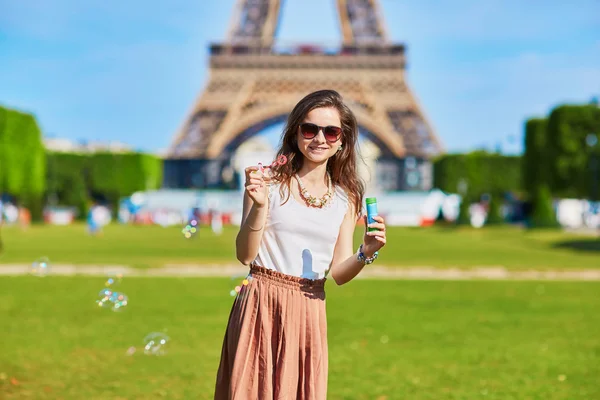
569,166
535,165
463,216
495,210
543,215
22,159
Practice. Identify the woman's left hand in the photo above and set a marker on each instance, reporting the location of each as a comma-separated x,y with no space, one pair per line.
374,240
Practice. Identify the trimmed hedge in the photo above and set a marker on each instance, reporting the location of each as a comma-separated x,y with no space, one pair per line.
483,172
76,179
22,160
569,165
536,160
67,185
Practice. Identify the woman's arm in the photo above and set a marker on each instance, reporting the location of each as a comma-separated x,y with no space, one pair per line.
345,265
248,239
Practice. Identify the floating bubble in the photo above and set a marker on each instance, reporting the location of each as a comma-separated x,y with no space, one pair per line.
131,351
40,267
120,301
104,299
245,281
108,298
155,343
113,281
190,229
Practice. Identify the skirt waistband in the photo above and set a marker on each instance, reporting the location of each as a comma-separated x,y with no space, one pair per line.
289,281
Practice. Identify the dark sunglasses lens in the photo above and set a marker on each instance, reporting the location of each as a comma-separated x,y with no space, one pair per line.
309,131
332,133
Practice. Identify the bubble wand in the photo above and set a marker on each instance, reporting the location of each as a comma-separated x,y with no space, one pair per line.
281,160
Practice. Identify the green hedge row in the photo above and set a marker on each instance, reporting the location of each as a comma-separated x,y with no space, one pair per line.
569,154
556,159
22,159
556,153
76,179
476,173
36,177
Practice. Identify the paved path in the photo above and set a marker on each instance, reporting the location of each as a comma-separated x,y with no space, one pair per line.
372,272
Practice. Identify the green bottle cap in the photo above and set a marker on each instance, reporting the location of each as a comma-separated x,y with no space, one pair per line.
371,200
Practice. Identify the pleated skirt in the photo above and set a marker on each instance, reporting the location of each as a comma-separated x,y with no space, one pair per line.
275,344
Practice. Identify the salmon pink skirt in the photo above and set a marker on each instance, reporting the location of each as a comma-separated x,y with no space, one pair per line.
275,345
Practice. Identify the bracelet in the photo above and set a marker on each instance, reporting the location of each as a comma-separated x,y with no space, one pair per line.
255,230
360,256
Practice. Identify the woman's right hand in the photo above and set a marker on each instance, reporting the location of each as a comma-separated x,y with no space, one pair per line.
256,186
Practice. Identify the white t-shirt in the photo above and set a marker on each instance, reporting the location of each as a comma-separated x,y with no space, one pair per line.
299,240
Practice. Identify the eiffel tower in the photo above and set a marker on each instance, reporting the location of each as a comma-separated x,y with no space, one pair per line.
253,83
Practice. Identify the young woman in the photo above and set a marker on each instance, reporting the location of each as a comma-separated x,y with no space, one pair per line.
297,228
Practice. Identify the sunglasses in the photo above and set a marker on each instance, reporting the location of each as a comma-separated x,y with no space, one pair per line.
331,133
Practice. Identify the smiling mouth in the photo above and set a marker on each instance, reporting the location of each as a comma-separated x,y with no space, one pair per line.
318,148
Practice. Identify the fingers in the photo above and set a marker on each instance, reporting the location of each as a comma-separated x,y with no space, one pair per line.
377,225
255,181
376,233
254,177
380,239
253,188
379,236
250,170
254,184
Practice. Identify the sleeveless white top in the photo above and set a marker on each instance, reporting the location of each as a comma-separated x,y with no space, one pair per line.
299,240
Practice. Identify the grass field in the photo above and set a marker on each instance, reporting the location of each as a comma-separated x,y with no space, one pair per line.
149,247
388,339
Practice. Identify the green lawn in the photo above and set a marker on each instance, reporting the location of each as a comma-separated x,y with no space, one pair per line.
388,339
153,246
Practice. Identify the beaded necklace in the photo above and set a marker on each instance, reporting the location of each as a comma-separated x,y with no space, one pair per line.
311,200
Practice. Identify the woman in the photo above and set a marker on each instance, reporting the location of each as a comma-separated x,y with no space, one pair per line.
297,228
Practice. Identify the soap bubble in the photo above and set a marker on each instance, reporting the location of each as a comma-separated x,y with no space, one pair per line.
104,299
155,343
113,280
241,281
108,298
190,229
40,267
120,301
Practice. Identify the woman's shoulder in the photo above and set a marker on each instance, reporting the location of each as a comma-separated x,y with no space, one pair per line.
341,192
342,195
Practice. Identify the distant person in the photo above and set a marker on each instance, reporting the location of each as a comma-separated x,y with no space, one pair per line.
24,217
216,222
1,223
296,228
94,226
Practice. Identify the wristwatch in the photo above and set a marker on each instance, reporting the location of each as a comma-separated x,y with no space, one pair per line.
360,256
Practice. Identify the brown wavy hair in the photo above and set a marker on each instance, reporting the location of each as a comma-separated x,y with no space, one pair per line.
342,165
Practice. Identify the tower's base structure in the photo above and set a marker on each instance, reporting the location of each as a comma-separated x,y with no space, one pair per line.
254,84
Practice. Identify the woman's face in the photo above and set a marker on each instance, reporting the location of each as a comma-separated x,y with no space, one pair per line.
318,148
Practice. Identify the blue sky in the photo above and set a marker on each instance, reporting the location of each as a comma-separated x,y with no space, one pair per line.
130,71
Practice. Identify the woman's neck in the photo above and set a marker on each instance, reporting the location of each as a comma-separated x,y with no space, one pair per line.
313,175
